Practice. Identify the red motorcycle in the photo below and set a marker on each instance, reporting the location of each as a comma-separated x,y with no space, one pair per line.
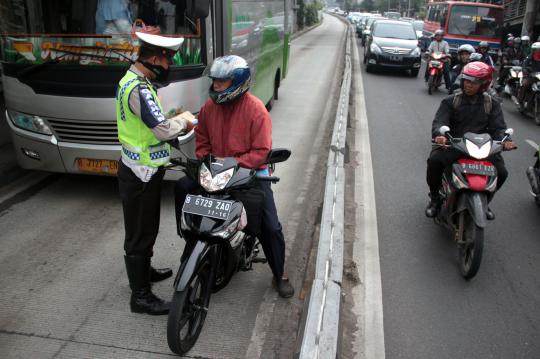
435,65
467,188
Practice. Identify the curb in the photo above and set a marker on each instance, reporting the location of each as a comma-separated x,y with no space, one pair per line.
321,331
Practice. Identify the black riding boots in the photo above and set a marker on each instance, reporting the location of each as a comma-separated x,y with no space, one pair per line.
433,206
142,298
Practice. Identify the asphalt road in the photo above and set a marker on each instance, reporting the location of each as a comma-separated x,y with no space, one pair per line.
64,290
430,311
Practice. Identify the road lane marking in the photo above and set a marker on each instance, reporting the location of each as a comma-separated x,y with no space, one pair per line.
369,340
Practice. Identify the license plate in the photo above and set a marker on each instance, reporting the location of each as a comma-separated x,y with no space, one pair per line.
478,169
98,166
395,58
207,207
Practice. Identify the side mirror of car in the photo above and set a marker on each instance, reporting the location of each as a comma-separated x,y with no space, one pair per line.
278,155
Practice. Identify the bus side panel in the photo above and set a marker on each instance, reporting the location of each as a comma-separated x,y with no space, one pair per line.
258,35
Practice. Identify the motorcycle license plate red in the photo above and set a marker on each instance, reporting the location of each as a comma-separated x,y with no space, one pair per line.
478,168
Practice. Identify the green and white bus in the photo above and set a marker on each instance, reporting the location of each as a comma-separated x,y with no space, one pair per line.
62,60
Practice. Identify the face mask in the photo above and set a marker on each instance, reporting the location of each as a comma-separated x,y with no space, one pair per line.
158,70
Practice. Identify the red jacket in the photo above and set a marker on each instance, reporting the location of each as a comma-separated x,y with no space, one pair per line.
240,129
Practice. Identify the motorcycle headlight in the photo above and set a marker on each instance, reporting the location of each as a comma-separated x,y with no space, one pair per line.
29,122
213,184
228,231
416,52
513,73
478,152
375,49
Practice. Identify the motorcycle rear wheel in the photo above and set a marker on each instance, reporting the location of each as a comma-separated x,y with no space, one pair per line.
470,252
430,85
188,311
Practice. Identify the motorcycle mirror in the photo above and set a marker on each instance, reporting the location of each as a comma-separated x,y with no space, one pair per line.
278,155
443,130
509,131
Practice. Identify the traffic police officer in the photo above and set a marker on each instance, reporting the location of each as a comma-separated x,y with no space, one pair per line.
144,132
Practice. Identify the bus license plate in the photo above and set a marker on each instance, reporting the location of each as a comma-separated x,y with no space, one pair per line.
97,166
479,169
207,207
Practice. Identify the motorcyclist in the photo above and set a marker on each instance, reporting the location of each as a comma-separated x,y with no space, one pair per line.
143,131
530,65
525,46
440,45
508,55
465,112
483,49
520,54
234,123
464,53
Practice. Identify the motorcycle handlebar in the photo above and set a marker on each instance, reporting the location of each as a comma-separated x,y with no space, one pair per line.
446,145
178,162
272,179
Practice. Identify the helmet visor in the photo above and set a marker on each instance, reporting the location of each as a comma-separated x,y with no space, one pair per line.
472,79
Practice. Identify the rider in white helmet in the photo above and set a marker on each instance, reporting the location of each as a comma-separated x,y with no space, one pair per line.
483,49
525,46
464,53
440,45
530,66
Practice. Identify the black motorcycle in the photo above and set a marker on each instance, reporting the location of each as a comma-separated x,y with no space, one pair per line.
467,188
531,101
533,172
513,80
220,224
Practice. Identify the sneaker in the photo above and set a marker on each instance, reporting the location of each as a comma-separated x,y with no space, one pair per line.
284,287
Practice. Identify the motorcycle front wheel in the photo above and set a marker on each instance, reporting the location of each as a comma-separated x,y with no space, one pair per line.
188,310
470,251
430,84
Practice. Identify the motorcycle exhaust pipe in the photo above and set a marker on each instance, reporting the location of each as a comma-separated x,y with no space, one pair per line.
533,180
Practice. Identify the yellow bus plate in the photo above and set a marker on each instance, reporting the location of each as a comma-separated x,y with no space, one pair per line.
98,166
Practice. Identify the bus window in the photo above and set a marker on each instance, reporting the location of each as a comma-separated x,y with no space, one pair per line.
443,15
35,31
474,21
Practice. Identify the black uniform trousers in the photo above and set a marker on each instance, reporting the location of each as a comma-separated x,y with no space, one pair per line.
271,236
141,202
440,158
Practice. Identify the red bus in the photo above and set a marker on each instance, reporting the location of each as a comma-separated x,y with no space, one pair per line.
466,22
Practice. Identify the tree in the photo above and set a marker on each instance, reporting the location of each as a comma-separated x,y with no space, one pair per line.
300,14
367,5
